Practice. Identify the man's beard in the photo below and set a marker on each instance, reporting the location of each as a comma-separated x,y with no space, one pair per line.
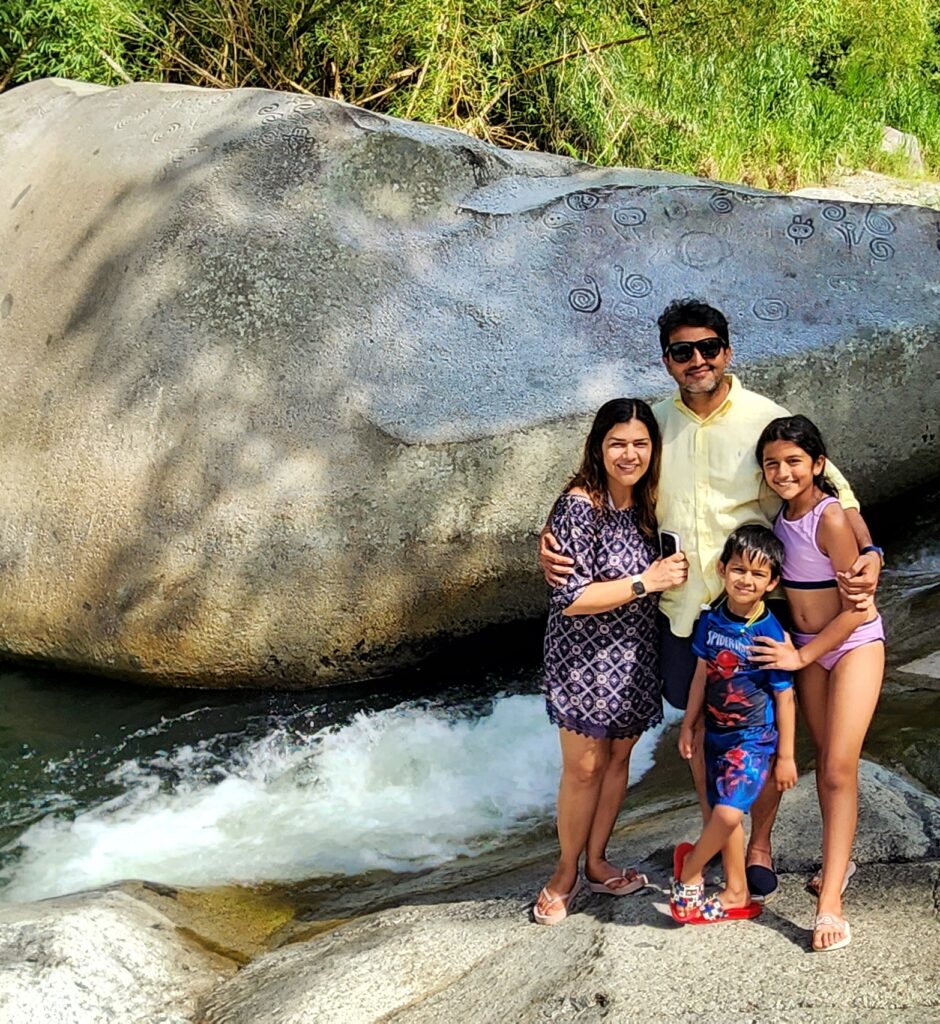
705,386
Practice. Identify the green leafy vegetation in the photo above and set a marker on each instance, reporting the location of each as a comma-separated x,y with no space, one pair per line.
775,93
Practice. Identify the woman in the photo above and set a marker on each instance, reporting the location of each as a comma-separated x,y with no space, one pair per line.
602,684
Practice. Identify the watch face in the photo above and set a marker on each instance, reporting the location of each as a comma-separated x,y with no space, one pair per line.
638,588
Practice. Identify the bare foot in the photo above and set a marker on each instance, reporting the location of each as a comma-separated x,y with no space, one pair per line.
830,930
731,898
604,871
559,885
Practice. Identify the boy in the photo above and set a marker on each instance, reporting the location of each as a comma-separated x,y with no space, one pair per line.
749,720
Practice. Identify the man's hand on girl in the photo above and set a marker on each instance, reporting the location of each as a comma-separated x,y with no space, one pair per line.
785,773
556,567
861,581
779,654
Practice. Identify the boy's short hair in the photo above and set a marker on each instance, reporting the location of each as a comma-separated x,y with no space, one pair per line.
755,542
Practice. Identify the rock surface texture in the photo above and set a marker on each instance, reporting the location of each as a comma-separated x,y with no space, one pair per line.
471,953
288,387
97,957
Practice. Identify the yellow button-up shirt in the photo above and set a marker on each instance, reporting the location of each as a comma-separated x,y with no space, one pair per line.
710,484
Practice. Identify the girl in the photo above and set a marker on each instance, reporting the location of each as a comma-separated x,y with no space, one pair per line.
840,649
602,685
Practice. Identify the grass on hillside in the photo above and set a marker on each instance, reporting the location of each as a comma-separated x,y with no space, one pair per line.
774,94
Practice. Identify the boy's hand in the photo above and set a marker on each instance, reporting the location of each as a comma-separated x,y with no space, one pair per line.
685,742
785,774
556,567
780,654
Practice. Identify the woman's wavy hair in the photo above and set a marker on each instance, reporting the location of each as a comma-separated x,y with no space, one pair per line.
591,475
804,434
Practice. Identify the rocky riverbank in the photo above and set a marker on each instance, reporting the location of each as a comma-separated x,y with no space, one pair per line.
467,951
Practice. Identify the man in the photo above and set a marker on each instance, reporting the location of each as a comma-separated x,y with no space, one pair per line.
710,484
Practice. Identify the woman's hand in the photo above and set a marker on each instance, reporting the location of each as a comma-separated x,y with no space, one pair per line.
780,654
685,742
557,568
666,573
785,773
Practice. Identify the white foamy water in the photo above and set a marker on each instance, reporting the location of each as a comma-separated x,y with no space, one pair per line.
401,789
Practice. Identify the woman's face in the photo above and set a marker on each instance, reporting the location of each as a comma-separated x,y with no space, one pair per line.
627,449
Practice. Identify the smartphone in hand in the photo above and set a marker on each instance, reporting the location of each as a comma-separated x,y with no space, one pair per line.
669,543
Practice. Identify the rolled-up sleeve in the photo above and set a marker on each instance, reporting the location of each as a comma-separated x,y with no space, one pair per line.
574,524
847,497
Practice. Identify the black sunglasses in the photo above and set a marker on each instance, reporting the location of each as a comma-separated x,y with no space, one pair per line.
681,351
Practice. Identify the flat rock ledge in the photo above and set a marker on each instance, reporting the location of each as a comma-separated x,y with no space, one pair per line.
471,953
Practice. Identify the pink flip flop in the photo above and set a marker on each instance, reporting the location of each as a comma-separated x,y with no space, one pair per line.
556,916
635,883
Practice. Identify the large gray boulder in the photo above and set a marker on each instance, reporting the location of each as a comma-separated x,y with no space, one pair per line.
288,387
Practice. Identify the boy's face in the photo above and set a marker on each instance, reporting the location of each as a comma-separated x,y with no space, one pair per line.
746,581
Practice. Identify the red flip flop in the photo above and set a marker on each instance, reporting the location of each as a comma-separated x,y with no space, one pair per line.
683,892
712,911
678,858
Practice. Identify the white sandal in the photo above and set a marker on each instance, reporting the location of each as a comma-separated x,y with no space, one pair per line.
831,921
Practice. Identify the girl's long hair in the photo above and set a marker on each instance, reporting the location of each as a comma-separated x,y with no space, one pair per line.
804,434
591,475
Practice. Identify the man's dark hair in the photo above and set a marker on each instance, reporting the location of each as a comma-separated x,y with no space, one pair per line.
756,543
691,313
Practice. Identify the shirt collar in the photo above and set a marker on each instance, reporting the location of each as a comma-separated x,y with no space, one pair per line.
733,392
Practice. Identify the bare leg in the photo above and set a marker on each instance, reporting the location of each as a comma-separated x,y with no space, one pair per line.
763,816
854,687
723,832
697,767
613,788
812,684
735,892
583,764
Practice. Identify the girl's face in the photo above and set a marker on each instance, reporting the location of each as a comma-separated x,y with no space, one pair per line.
789,469
627,449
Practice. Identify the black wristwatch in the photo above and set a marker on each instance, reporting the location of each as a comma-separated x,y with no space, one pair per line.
878,551
638,589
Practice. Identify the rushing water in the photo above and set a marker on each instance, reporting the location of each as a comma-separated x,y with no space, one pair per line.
100,781
103,783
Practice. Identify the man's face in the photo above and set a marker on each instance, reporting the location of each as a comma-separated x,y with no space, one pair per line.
699,376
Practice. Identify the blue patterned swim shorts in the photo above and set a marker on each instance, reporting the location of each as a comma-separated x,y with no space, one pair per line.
736,765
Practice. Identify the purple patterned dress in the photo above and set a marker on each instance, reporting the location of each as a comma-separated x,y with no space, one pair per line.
602,671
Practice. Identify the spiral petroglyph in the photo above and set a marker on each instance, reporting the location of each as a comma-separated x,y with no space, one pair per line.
880,249
878,224
833,213
585,300
720,202
635,285
770,309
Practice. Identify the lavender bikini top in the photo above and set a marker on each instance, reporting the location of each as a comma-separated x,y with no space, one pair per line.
805,567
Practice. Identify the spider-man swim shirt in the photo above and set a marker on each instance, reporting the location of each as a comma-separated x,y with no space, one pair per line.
738,694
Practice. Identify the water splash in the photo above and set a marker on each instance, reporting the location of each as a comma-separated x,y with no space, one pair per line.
405,788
